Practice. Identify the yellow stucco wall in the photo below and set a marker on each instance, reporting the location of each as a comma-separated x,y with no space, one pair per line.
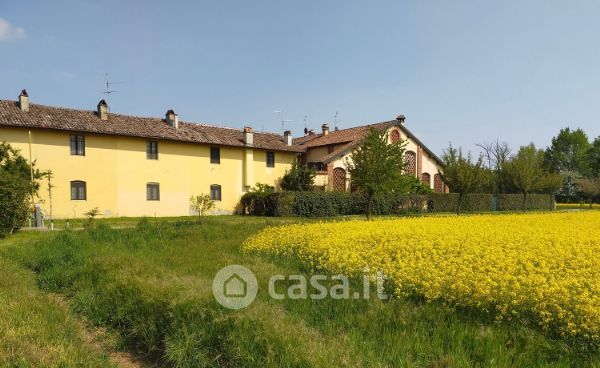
116,172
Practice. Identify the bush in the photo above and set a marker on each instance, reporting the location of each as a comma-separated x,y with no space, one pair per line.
14,206
514,202
16,187
329,204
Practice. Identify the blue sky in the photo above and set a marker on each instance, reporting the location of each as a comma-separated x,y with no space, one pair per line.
461,71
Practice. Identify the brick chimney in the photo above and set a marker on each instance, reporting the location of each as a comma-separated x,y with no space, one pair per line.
102,110
325,129
288,137
24,101
248,136
172,119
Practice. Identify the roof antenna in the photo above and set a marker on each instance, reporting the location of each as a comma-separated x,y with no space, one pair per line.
283,121
305,122
108,91
336,121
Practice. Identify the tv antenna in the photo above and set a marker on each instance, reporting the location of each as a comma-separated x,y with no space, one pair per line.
283,121
108,91
336,120
305,120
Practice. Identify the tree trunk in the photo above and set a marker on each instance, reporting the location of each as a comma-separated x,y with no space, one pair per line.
459,206
524,201
369,206
591,202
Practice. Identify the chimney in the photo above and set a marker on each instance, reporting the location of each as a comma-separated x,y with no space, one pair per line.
325,128
248,136
102,110
401,118
311,132
24,101
288,137
172,119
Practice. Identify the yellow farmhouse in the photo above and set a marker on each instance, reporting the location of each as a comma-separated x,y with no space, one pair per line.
141,166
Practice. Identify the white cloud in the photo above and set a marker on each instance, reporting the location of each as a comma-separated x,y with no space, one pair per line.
8,32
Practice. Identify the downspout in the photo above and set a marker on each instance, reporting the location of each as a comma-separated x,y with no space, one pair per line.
31,173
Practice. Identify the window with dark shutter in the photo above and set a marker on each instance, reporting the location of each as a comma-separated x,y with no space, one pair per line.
215,192
152,150
153,192
78,190
215,155
270,159
77,145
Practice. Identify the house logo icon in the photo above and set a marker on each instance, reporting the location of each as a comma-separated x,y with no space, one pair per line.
235,287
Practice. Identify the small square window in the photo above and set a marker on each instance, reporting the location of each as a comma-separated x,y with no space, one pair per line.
215,155
152,150
77,145
78,190
153,192
270,159
215,192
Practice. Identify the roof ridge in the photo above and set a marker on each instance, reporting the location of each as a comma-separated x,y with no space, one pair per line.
208,125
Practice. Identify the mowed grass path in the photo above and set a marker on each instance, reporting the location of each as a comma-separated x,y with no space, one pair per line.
151,284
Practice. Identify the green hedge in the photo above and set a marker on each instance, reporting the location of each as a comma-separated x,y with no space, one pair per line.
514,202
328,204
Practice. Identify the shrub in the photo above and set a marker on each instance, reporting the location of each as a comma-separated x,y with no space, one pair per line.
15,189
514,202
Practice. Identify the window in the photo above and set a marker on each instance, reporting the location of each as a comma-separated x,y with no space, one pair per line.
330,148
215,192
152,150
153,192
394,136
215,155
410,163
78,190
77,145
270,159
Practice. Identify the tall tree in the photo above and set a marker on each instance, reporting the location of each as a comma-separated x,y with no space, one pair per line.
567,151
377,166
495,154
567,157
593,158
527,174
462,174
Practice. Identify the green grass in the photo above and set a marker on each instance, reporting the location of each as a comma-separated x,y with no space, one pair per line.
151,284
35,329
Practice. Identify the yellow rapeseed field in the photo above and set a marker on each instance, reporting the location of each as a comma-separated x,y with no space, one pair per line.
536,267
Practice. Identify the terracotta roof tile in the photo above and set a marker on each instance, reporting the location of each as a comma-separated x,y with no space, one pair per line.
352,137
87,121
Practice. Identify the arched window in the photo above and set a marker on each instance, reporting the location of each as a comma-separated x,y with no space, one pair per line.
438,184
426,179
410,162
339,179
394,136
78,190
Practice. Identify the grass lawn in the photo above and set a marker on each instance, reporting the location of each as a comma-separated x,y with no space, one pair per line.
151,284
35,329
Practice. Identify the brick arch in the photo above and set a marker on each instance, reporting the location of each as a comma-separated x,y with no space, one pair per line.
410,162
394,136
438,184
339,179
426,179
